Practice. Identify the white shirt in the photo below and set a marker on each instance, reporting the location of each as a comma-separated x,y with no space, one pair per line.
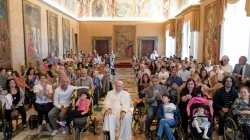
44,98
163,76
184,74
169,111
208,69
153,56
227,68
63,97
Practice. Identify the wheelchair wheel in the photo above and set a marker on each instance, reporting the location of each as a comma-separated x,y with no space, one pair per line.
179,133
95,126
77,134
7,132
230,129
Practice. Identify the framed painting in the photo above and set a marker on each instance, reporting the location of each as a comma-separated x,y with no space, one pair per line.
212,32
32,32
53,46
125,38
5,51
66,35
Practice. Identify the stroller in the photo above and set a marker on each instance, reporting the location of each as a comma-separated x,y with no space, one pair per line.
192,108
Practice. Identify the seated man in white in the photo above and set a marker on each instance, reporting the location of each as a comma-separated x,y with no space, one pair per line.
118,108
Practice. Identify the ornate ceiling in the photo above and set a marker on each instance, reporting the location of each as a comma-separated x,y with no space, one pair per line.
120,10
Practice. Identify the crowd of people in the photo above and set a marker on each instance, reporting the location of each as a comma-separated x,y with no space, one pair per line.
165,87
166,84
48,86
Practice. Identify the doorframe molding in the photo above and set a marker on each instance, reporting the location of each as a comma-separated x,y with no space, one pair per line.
141,38
109,38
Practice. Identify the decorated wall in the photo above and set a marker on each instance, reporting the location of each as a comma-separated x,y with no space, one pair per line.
29,37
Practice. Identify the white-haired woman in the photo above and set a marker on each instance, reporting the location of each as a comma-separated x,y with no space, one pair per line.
225,69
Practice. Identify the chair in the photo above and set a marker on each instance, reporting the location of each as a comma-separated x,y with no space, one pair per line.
179,91
214,79
215,88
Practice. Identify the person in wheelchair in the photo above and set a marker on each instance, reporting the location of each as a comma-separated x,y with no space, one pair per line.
82,109
166,114
241,107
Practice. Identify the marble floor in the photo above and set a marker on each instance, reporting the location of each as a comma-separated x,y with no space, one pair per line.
123,74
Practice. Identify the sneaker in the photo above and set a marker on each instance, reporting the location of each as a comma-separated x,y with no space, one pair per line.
48,127
65,130
199,130
205,137
24,127
54,132
62,123
39,129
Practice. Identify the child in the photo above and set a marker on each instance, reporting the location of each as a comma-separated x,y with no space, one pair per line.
173,92
206,82
166,113
201,121
82,110
98,85
207,93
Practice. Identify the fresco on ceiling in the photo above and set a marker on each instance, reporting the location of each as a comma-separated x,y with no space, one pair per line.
152,8
121,8
125,8
101,8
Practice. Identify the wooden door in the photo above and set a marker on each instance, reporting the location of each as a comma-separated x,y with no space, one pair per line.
147,47
102,47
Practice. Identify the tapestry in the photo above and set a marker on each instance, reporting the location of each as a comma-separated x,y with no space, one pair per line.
53,33
179,37
4,35
66,35
124,37
32,31
212,31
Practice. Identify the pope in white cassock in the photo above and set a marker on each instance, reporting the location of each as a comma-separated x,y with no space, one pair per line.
118,108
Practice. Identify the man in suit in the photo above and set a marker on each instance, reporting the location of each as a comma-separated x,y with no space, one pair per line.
242,72
153,95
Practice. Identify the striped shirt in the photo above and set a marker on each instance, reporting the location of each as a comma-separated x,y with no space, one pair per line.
228,99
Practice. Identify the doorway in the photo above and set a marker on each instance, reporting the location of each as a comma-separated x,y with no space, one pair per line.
147,45
102,45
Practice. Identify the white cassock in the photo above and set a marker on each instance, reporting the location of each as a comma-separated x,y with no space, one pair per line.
118,102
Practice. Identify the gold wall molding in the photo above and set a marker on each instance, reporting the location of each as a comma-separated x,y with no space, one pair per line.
170,25
192,13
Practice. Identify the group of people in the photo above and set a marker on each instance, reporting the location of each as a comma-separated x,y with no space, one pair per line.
165,87
160,78
49,84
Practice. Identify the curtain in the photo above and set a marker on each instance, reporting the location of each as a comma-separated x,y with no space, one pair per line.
186,40
170,45
235,32
247,8
194,44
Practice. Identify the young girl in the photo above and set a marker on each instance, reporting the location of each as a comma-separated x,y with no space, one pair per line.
200,121
141,96
82,110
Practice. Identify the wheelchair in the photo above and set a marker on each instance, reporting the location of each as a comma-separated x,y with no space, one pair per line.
232,129
138,117
86,123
